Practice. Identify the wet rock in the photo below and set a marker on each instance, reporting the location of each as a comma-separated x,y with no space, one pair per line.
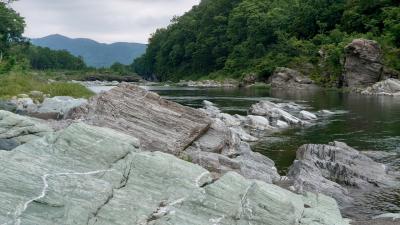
336,169
289,78
363,66
273,112
307,115
16,130
160,125
92,175
249,79
389,87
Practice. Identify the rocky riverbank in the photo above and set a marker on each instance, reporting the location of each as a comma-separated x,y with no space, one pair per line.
119,157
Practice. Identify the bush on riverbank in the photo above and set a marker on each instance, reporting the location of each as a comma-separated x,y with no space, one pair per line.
14,83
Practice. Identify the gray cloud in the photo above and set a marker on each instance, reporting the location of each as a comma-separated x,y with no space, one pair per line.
102,20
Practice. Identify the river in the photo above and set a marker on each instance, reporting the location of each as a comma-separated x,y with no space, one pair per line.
363,122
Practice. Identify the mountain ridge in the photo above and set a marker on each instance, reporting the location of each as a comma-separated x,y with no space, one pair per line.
94,53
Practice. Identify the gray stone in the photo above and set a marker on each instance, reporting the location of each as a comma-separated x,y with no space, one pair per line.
97,176
16,130
336,169
8,144
363,65
289,78
389,87
57,107
7,106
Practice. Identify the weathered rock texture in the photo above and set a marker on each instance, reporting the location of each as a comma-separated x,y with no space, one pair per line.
96,176
363,66
289,78
337,170
160,125
166,126
389,87
16,130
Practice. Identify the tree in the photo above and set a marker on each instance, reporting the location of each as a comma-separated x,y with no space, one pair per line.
11,28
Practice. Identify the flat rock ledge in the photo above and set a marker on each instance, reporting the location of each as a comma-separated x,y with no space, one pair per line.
92,175
343,173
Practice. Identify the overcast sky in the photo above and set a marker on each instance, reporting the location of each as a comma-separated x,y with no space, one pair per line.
102,20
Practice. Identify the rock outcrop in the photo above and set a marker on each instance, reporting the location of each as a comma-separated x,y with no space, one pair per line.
16,130
339,171
389,87
289,78
363,66
161,125
51,108
92,175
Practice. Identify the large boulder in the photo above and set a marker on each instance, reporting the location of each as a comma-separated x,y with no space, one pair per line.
57,107
339,171
161,125
16,130
289,78
389,87
91,175
363,65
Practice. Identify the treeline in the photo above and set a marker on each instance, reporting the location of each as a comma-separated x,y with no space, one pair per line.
17,52
229,38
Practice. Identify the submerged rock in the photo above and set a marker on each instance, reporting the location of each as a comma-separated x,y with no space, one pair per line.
92,175
339,171
16,130
363,66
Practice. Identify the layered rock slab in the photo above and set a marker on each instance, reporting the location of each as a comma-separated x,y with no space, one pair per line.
16,130
92,175
339,171
160,125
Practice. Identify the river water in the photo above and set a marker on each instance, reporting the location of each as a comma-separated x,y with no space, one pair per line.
363,122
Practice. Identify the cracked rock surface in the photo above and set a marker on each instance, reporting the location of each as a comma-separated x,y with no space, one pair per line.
97,176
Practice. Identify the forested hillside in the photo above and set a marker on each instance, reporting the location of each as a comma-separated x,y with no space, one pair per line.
93,53
229,38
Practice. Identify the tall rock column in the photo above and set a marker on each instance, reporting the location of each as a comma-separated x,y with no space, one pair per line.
363,65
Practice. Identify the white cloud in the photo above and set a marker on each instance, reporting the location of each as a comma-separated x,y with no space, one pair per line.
101,20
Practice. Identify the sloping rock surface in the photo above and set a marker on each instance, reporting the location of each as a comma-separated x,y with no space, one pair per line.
160,125
363,66
336,170
16,130
96,176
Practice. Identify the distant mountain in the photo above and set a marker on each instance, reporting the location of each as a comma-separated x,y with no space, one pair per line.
94,53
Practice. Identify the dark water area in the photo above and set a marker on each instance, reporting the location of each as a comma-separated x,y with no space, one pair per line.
363,122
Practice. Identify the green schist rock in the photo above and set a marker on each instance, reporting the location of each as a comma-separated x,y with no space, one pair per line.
16,130
97,176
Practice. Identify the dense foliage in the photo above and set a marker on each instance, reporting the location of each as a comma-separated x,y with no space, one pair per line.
228,38
44,58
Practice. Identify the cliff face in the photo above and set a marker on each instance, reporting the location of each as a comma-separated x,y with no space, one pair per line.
363,66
